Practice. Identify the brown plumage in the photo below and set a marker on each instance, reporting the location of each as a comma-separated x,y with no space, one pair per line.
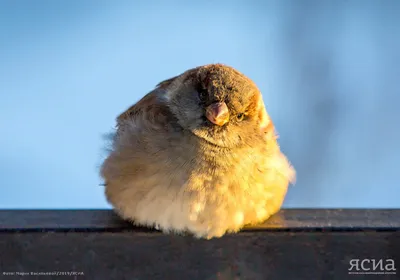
197,154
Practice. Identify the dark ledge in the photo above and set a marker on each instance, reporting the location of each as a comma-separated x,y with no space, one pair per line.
294,244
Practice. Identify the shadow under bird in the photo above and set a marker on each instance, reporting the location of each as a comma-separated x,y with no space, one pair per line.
198,154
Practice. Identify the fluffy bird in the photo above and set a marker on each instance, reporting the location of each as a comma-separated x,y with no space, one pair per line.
198,154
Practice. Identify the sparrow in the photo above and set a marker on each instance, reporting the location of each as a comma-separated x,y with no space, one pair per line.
199,155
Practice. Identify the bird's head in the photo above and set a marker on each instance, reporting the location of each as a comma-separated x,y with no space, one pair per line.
218,104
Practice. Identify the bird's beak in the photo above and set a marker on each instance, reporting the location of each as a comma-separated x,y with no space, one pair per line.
218,113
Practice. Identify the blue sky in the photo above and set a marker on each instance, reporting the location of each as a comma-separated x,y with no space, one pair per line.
328,74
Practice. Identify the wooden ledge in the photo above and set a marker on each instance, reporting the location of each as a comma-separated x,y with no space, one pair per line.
294,244
285,220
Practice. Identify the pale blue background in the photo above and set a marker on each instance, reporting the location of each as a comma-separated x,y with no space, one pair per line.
329,72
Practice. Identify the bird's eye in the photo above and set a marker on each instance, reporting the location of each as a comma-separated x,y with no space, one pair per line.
240,117
202,95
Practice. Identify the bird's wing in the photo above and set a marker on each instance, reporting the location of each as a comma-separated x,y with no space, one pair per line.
150,111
